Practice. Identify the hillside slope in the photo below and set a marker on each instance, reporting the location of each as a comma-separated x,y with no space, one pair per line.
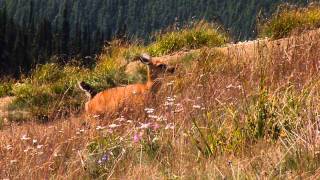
244,111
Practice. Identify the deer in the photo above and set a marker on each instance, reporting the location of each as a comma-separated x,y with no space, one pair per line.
110,101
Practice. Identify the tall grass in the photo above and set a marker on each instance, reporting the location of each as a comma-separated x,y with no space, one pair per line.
220,116
291,21
200,34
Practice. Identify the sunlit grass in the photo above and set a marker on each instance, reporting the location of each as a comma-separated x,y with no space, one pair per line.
291,21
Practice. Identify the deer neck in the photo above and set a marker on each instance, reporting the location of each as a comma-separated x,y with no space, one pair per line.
153,84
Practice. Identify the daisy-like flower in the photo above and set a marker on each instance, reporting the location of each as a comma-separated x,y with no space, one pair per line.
171,99
196,106
153,116
145,125
112,126
149,110
168,103
25,138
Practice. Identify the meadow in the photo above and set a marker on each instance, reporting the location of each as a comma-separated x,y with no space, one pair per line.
225,114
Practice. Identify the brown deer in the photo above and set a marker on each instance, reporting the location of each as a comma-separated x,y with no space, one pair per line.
112,100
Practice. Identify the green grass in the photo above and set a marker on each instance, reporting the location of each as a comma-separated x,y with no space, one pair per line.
291,21
6,89
201,34
51,91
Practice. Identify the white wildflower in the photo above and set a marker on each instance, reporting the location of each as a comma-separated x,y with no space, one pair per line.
153,116
121,119
25,138
149,110
114,126
168,103
171,99
100,128
196,106
145,126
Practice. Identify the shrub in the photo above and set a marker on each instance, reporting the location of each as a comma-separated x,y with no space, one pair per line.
290,21
6,89
201,34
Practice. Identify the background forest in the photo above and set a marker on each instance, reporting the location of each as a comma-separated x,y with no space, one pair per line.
37,31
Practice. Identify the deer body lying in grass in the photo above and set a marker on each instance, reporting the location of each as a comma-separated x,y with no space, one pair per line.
112,100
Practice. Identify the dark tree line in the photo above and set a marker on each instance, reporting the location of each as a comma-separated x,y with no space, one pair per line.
32,31
23,46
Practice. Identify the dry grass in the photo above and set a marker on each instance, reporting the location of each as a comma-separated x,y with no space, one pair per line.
223,115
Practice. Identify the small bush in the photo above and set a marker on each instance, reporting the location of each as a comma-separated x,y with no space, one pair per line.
6,89
201,34
290,21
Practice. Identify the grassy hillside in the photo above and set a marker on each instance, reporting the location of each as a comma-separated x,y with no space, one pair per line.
290,21
221,116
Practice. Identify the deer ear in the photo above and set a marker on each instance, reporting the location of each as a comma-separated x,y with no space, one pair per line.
145,59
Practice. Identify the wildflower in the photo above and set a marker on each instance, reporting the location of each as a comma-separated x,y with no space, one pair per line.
153,116
168,103
161,118
149,110
39,146
137,137
179,108
103,159
171,99
169,126
112,126
196,106
121,119
145,125
100,128
25,138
